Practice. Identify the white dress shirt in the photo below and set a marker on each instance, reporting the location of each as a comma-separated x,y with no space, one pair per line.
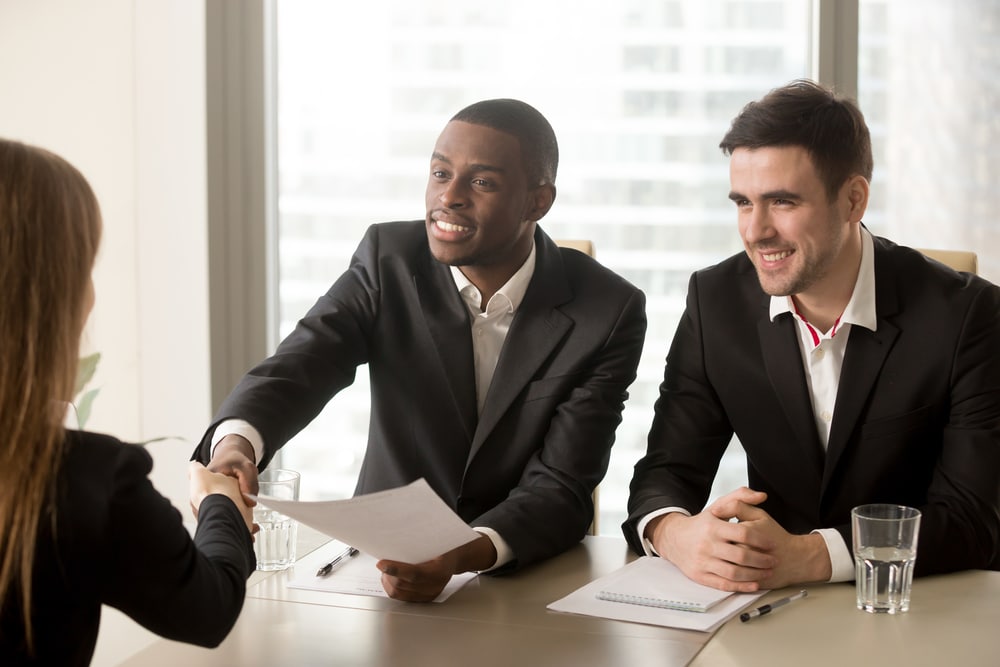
822,358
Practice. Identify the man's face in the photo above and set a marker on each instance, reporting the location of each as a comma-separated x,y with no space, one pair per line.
481,210
792,232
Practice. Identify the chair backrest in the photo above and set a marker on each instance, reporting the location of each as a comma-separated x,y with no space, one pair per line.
583,245
960,260
586,247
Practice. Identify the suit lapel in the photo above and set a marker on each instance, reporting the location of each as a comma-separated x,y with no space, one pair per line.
447,319
783,362
538,327
863,360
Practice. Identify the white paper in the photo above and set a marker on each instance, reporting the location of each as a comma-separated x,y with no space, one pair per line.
409,524
355,576
584,601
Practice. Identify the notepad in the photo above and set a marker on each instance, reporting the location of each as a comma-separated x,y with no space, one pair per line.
654,582
657,579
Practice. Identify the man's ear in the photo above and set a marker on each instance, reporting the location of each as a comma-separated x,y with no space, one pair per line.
856,190
541,200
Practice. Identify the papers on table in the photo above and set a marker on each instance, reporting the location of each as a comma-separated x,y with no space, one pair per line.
653,577
410,524
354,576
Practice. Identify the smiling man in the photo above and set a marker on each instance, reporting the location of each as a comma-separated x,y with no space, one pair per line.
499,363
851,369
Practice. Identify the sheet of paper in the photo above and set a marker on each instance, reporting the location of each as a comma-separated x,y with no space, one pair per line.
354,576
584,601
410,524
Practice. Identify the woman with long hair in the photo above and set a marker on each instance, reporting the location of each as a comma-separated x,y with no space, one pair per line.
80,523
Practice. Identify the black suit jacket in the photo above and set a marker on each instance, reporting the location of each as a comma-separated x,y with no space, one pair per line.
916,422
115,540
526,467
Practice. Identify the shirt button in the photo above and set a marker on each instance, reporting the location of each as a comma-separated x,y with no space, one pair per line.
818,353
826,416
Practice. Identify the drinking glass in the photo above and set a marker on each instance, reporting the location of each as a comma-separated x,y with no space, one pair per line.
885,550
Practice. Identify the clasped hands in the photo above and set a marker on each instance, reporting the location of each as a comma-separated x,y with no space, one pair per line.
734,545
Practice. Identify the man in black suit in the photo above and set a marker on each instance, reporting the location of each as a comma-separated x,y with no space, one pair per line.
499,362
851,369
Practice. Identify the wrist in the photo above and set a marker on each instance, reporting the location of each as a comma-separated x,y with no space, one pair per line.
475,556
813,559
235,443
658,531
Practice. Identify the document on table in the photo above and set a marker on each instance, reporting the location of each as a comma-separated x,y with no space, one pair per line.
410,524
655,587
355,576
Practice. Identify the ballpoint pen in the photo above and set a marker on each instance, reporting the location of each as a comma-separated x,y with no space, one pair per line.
326,569
768,608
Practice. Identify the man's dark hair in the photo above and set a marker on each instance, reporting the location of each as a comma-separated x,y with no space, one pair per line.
803,113
539,149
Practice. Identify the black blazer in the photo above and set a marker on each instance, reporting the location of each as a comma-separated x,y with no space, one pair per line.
917,417
528,465
115,540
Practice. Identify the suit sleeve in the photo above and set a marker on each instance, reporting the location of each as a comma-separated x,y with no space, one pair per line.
551,508
689,433
182,589
960,522
285,392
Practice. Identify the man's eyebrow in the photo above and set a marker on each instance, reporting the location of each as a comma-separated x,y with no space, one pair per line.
773,194
781,194
476,166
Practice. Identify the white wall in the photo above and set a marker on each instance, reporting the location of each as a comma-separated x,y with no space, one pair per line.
117,87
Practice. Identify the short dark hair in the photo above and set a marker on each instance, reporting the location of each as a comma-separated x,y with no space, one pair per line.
539,149
803,113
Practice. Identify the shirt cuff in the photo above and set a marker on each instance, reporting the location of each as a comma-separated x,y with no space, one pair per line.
241,428
647,546
504,552
841,561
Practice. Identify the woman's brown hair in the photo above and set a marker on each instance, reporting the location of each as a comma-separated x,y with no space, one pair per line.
50,228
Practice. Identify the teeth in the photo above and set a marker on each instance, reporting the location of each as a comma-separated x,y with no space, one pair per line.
448,227
778,255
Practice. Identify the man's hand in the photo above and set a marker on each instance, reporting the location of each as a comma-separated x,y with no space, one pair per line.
800,558
744,555
423,582
202,483
234,456
712,550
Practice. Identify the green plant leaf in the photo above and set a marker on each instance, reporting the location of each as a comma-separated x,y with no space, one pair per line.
143,443
85,371
84,406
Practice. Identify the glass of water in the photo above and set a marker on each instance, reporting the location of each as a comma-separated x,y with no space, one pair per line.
885,550
274,543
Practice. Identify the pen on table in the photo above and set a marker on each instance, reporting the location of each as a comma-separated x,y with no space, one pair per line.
768,608
326,569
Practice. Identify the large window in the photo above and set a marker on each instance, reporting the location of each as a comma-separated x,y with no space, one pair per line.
639,93
929,84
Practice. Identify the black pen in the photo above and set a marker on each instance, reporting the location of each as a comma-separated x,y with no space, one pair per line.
768,608
326,569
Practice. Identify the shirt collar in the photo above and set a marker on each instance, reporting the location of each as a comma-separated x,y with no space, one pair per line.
508,298
860,309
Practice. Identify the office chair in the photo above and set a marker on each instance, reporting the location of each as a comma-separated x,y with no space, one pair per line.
960,260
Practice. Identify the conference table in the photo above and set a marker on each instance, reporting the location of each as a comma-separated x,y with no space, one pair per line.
502,620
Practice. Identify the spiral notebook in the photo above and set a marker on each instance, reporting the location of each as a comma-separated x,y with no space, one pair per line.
653,582
656,593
